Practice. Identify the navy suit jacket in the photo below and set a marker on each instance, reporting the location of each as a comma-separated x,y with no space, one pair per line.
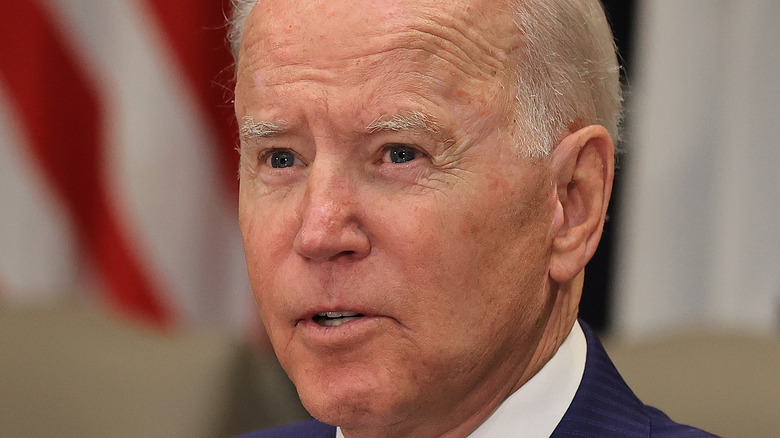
603,407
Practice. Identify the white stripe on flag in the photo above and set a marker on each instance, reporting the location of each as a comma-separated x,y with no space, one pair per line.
37,250
162,170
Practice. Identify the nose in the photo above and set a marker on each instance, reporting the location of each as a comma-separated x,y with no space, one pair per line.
331,225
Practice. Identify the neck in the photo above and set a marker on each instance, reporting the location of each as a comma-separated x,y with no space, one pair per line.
559,324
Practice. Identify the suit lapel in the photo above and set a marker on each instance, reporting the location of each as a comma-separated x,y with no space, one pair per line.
604,406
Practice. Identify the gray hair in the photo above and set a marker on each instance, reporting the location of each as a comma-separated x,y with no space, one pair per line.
567,73
236,24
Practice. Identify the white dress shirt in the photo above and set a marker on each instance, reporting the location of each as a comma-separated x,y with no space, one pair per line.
534,410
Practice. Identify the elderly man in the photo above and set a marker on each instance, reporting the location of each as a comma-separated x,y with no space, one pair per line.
422,184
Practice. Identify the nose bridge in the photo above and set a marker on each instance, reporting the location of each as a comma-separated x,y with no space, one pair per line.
329,213
328,196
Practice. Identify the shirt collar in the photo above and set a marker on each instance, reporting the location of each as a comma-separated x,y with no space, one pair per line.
537,407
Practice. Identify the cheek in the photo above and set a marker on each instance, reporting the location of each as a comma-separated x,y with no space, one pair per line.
489,261
267,229
502,235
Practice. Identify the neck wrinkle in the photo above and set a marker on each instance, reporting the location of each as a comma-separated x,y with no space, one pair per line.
559,324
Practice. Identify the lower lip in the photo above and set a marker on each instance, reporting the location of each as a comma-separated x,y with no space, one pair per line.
345,335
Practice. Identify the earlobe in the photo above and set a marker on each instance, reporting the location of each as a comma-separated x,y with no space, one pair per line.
583,168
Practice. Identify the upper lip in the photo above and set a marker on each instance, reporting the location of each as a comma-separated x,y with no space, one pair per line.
338,314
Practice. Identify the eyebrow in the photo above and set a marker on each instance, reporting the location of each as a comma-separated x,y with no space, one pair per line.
405,121
253,129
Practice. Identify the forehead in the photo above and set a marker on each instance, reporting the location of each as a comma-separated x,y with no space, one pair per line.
372,56
475,36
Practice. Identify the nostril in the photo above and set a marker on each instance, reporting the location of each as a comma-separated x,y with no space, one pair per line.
347,255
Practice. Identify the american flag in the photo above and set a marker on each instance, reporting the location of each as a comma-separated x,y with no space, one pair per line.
117,162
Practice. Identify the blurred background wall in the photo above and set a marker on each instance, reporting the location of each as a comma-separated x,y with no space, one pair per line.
699,241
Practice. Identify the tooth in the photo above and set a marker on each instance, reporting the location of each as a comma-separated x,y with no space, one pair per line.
336,321
331,322
338,314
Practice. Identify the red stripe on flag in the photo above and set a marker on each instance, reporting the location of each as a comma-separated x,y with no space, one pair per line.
62,117
198,35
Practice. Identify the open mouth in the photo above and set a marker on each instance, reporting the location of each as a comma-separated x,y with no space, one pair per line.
333,319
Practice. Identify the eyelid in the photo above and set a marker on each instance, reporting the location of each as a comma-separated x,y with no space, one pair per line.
387,146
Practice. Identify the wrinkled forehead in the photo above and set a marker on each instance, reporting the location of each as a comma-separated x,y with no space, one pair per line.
290,32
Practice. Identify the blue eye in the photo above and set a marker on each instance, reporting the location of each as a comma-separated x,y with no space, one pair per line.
400,153
281,159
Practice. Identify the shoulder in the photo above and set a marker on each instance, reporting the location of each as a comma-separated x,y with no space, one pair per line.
303,429
604,406
661,426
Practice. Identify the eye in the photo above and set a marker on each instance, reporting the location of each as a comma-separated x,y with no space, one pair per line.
282,158
400,153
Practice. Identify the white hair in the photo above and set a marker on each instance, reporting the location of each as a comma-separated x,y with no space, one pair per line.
236,24
567,70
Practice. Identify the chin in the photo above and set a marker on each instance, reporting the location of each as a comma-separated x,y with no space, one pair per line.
338,411
346,409
351,400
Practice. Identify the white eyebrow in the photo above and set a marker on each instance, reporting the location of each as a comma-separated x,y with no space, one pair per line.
253,129
405,121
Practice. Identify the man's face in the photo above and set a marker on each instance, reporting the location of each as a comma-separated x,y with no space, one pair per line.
379,178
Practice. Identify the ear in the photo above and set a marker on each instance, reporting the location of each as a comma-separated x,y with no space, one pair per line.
583,165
